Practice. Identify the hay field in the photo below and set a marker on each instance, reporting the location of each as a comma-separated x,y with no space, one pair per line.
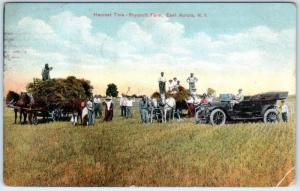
126,152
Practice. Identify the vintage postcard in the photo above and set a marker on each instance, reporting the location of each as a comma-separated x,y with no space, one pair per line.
149,94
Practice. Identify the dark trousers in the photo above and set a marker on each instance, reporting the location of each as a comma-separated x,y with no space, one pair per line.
123,111
284,117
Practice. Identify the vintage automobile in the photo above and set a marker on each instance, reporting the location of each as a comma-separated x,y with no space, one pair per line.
253,108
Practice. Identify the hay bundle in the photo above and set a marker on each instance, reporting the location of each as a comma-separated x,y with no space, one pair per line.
181,95
60,90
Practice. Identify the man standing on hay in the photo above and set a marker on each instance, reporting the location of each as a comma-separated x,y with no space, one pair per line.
46,72
192,82
162,84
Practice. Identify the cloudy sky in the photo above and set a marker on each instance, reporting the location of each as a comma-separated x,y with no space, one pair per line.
228,46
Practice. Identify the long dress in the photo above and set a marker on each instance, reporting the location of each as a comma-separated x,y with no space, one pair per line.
109,112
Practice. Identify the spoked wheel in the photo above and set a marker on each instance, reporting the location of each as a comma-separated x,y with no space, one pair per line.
217,117
200,117
271,116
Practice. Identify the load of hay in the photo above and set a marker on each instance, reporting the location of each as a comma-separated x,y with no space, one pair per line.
181,95
59,90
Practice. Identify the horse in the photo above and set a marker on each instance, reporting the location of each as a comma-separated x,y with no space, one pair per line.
160,108
169,107
155,109
20,105
76,106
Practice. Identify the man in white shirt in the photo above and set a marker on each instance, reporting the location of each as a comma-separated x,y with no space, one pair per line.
170,85
90,108
192,82
123,105
162,83
237,98
97,106
129,104
284,111
174,85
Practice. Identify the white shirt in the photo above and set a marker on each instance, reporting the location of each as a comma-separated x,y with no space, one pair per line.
89,105
97,100
123,101
284,108
162,79
192,79
108,103
174,84
170,86
239,97
129,103
210,99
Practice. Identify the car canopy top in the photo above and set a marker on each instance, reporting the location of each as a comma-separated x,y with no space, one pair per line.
270,96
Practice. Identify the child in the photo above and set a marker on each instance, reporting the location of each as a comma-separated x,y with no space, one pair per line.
284,111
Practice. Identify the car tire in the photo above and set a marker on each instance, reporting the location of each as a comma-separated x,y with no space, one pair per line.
199,118
217,117
271,116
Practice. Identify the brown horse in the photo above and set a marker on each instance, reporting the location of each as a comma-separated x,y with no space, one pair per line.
35,107
20,105
76,106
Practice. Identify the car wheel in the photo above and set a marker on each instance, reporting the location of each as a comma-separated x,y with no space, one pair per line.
200,118
217,117
271,116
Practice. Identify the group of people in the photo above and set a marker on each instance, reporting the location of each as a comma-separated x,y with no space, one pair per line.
92,109
174,83
93,106
126,104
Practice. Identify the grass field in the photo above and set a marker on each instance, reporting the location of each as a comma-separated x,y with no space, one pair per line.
125,152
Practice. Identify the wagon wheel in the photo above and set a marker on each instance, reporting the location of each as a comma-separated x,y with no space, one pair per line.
271,116
217,117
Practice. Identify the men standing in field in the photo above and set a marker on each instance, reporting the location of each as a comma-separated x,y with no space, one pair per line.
129,104
144,109
108,104
192,82
90,108
46,72
162,84
123,105
284,111
97,106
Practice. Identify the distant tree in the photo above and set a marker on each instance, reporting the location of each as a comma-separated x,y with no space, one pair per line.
12,96
112,90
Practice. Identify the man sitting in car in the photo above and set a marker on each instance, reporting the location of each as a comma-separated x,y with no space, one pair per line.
237,98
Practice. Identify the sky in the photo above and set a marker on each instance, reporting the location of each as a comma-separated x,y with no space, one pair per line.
226,45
